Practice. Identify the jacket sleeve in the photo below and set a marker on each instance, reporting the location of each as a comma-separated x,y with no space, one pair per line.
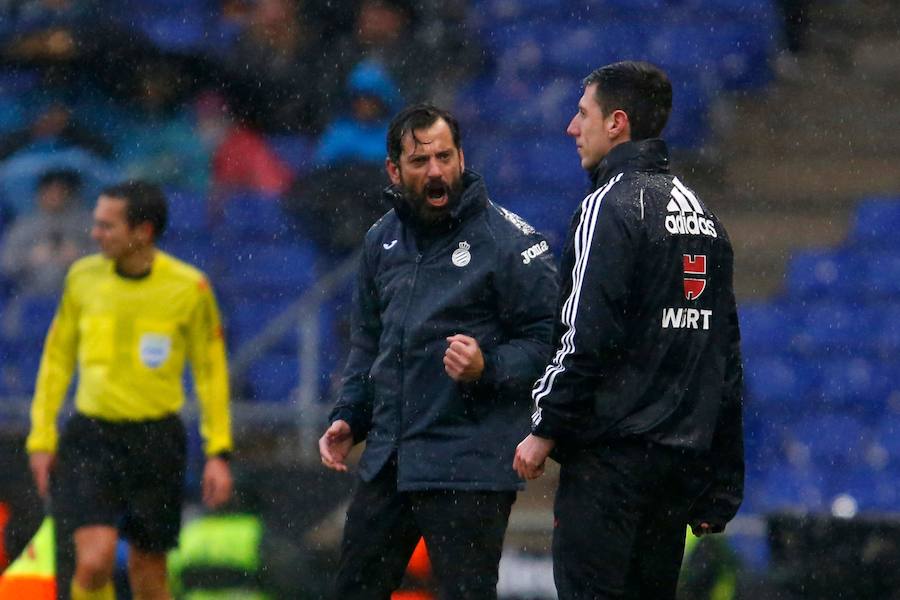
526,298
591,323
354,404
210,370
54,375
723,496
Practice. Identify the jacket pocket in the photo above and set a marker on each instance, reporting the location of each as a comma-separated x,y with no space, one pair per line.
97,333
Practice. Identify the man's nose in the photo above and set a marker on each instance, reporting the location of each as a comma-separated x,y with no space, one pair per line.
434,169
572,129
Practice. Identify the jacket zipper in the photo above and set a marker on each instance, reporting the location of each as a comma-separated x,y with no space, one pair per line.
412,290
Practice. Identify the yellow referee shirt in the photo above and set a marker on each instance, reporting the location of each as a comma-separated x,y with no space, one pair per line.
130,339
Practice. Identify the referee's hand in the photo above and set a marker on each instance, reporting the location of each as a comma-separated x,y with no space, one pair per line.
217,482
41,463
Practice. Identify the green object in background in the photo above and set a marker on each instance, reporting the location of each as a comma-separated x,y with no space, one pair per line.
218,558
709,570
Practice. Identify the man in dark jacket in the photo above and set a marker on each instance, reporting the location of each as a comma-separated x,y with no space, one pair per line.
453,316
641,404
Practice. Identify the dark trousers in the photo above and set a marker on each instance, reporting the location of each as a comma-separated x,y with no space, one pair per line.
463,532
620,517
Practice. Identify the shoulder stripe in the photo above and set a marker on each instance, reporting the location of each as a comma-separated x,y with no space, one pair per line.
688,194
584,233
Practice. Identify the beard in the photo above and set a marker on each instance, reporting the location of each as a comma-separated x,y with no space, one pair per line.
424,211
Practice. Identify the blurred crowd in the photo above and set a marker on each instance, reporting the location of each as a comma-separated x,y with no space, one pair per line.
287,98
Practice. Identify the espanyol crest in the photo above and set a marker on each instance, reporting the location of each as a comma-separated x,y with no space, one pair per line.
461,255
694,264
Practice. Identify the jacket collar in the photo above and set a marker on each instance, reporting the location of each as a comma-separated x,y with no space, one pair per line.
644,155
473,199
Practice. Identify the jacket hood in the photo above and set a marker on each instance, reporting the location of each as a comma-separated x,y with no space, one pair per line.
643,155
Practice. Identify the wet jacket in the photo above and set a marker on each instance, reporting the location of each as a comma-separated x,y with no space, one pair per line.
647,342
486,274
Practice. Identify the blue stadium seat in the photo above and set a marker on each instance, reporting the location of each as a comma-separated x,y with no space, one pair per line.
188,213
876,223
196,250
496,13
874,490
788,488
274,378
880,273
780,382
245,317
253,216
833,440
295,150
280,269
887,439
768,326
838,326
822,272
854,383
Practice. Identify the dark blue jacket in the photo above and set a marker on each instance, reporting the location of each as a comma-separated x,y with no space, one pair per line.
487,274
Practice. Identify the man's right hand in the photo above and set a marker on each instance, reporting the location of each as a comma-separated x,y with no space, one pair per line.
41,464
335,445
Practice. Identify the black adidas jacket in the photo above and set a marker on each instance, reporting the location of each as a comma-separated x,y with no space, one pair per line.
647,343
488,275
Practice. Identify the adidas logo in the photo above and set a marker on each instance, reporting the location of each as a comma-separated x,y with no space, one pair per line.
689,219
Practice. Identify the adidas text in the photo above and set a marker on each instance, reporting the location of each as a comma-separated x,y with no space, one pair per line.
692,224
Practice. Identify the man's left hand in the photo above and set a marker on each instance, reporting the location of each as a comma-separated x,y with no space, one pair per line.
531,454
463,359
217,482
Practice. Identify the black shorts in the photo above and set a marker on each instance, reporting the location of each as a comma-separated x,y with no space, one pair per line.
127,475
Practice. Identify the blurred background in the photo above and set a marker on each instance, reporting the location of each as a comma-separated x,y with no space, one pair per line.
265,121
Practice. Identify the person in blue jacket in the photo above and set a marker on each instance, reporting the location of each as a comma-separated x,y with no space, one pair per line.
452,318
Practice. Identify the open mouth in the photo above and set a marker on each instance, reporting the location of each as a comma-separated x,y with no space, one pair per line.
436,194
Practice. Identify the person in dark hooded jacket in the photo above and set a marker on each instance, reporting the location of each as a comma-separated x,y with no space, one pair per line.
453,314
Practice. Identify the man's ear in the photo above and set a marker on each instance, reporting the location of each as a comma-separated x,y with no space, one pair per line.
462,160
618,127
393,171
145,232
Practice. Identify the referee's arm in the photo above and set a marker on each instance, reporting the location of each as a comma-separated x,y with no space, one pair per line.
210,369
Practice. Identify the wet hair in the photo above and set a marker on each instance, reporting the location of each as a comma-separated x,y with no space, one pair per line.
415,117
640,89
145,202
68,178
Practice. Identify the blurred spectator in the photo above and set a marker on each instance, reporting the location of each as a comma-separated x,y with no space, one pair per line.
39,247
422,45
160,144
242,158
275,78
54,127
360,134
53,141
335,204
46,30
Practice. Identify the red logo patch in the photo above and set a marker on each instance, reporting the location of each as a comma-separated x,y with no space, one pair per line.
694,264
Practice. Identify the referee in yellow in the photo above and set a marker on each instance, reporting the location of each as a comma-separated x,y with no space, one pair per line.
128,318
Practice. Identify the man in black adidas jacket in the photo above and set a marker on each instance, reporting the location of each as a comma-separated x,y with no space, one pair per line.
641,404
453,317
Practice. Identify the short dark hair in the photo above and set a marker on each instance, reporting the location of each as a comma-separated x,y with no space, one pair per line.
145,202
411,118
641,89
68,178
